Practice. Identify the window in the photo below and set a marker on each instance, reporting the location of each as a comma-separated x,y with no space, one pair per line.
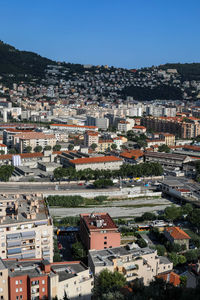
0,273
105,237
43,289
21,297
17,290
20,282
43,281
105,247
16,282
105,243
17,297
74,282
1,290
20,289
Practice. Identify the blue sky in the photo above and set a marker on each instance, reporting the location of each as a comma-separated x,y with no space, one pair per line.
123,33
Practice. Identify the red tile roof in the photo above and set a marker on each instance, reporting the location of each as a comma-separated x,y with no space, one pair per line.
192,147
177,233
171,277
2,145
79,126
23,155
93,160
131,153
90,221
139,127
35,135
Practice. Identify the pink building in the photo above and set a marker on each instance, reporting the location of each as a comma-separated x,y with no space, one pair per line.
98,231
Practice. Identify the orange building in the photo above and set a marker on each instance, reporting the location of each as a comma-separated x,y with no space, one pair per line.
98,231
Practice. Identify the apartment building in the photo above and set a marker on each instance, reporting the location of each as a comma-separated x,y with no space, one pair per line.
138,129
104,145
101,123
26,229
33,139
186,128
70,128
124,126
90,138
9,133
39,279
141,263
98,231
94,163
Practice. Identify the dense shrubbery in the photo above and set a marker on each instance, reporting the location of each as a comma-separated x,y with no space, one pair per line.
65,201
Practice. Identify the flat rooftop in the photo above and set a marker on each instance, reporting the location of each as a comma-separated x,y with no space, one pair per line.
68,270
98,221
105,257
19,206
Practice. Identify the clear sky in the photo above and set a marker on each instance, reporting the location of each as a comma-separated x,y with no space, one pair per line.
123,33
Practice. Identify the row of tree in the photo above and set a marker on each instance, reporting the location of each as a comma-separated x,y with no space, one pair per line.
126,170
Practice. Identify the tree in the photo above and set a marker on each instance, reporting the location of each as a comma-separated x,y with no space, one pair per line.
2,152
56,148
12,151
93,146
108,281
172,213
70,147
181,259
187,209
163,148
28,149
148,216
103,183
47,148
6,172
38,149
191,255
113,146
142,243
194,217
174,258
183,280
160,250
78,251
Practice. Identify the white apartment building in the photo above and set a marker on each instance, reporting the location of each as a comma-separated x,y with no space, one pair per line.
26,229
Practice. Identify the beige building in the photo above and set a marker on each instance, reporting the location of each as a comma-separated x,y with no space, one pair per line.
33,139
3,281
104,145
26,229
72,278
124,126
91,137
96,163
141,263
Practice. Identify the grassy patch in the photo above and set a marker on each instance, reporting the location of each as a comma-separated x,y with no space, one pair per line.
140,205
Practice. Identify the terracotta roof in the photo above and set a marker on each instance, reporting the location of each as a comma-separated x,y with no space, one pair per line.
93,160
138,127
131,153
171,277
34,135
177,233
2,145
105,141
17,130
23,155
90,221
192,147
78,126
183,190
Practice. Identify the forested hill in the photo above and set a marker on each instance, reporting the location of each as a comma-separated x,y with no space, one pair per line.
188,71
16,62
